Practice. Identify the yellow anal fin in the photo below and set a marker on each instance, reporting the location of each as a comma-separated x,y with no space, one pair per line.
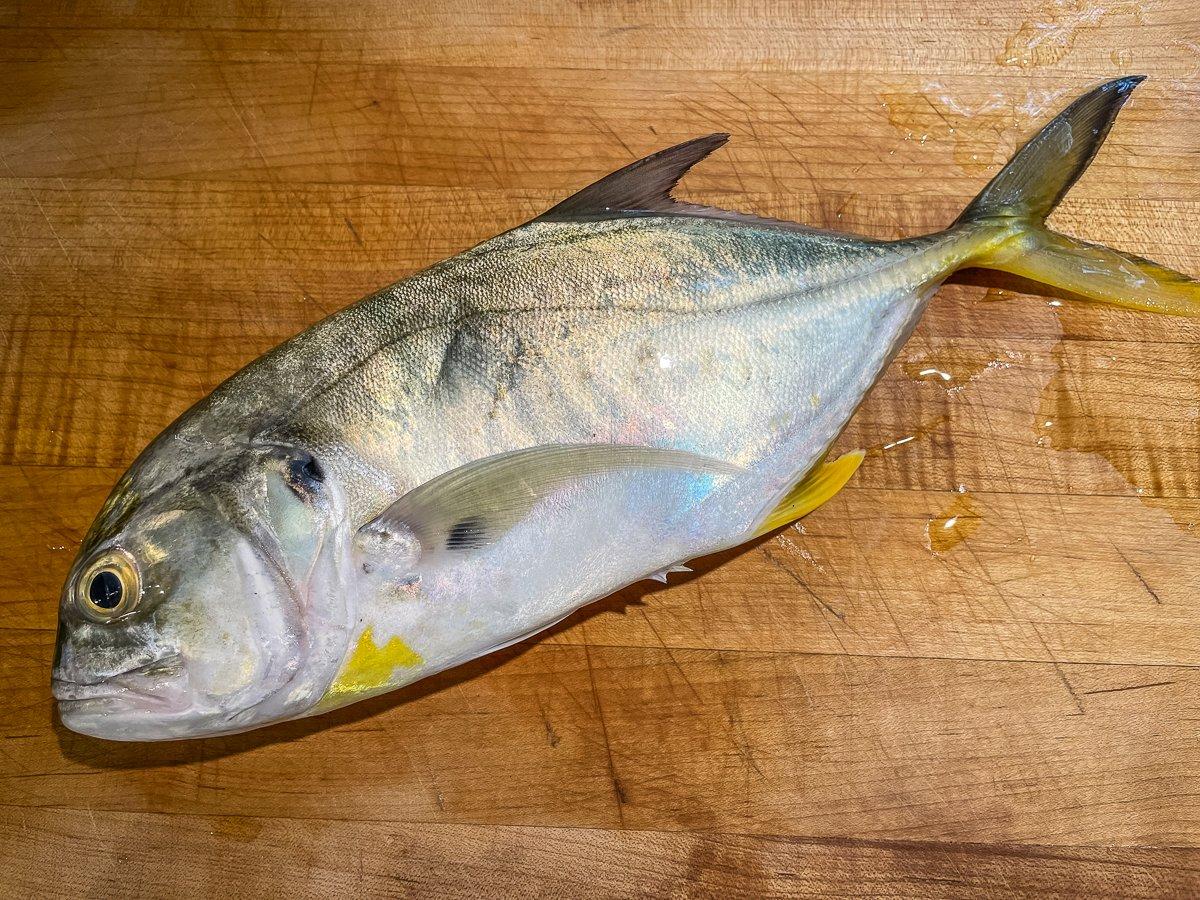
812,491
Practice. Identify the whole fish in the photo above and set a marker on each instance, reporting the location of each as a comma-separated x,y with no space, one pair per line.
466,457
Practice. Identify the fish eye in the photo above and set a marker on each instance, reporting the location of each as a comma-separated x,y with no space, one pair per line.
108,587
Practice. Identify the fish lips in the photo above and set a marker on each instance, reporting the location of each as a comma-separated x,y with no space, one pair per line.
114,705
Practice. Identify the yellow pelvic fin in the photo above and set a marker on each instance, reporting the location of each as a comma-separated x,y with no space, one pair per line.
812,491
371,666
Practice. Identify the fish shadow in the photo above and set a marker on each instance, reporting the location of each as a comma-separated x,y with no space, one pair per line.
102,754
1015,284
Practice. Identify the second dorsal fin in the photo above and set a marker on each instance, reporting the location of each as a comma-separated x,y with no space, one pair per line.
641,187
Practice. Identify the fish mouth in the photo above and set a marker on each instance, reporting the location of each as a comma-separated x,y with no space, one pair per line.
154,685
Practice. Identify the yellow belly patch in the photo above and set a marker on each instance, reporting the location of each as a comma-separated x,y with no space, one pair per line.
371,667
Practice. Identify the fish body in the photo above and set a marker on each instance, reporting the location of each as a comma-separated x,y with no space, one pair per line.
468,456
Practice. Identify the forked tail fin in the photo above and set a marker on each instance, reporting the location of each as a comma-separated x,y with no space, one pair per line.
1010,215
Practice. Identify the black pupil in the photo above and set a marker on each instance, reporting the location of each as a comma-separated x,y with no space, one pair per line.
105,590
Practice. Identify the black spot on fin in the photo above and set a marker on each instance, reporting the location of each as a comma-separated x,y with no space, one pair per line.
469,534
641,187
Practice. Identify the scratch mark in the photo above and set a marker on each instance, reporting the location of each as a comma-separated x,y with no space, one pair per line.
552,737
292,278
1058,671
670,655
841,617
737,732
54,231
1136,573
938,112
786,107
1132,687
821,604
618,790
437,794
803,166
312,94
603,126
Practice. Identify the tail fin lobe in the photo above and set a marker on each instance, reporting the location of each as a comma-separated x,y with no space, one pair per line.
1009,216
1045,168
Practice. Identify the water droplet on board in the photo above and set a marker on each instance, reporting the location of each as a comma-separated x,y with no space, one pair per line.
1122,59
950,367
937,373
899,442
923,430
936,114
1045,42
959,521
1150,450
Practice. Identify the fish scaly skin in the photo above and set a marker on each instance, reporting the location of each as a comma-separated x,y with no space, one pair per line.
285,560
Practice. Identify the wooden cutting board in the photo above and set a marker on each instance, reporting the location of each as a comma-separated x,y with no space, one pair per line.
975,671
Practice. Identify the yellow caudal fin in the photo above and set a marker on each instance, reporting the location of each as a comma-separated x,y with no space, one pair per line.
1008,217
812,491
1103,274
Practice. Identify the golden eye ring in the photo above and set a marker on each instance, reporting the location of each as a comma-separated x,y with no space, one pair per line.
108,587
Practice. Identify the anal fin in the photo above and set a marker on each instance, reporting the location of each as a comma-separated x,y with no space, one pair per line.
813,490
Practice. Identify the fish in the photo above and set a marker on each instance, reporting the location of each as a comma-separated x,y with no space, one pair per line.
460,460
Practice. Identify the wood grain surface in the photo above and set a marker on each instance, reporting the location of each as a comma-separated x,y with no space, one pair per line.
975,672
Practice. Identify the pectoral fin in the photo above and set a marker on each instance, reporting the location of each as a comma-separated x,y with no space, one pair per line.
812,491
473,506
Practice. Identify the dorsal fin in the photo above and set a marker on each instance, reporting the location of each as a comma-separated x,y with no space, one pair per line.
641,187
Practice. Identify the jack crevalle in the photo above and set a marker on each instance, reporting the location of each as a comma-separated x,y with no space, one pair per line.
464,458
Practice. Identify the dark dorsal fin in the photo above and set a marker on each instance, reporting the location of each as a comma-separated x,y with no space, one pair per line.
644,186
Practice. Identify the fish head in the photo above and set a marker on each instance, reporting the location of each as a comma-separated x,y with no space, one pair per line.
205,603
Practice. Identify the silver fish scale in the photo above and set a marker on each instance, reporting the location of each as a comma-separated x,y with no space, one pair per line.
716,337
